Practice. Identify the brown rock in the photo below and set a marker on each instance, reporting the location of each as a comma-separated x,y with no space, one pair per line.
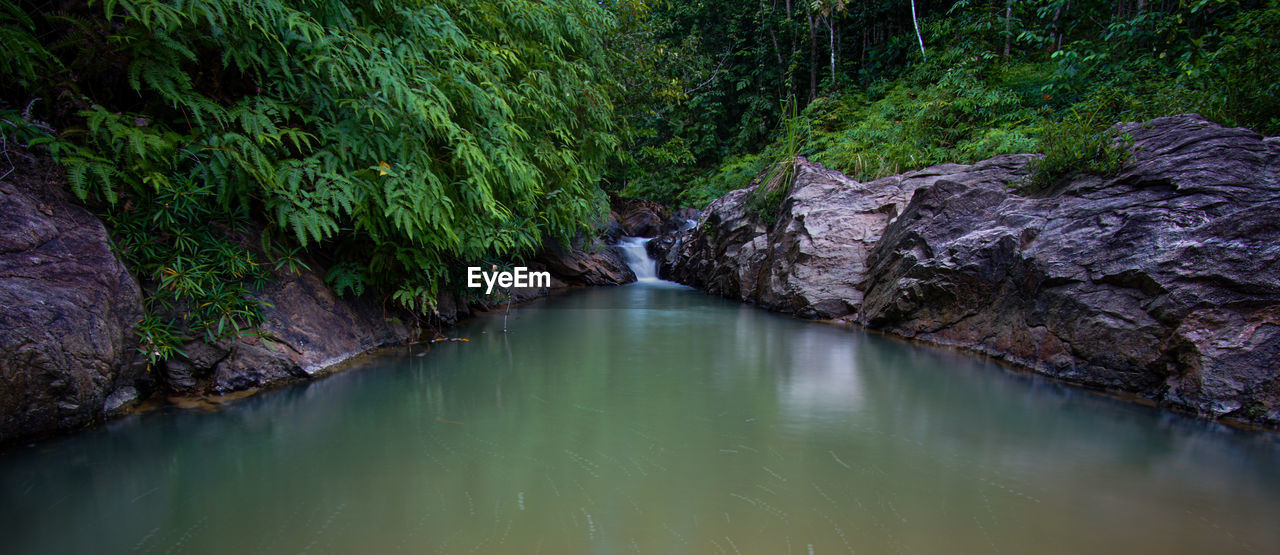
589,264
642,218
67,309
810,261
308,329
1163,281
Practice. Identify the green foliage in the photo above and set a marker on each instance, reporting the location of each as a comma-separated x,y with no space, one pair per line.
1001,77
1233,77
774,185
1080,144
395,141
23,57
735,172
18,128
703,80
960,107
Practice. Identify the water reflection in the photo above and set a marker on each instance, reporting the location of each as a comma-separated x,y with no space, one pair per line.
824,383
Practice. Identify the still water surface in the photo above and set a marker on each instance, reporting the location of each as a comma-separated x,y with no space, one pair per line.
651,418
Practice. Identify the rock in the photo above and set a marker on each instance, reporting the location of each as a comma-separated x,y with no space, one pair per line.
611,230
658,248
187,373
307,330
810,262
69,307
203,356
180,375
688,214
591,264
1163,281
642,218
451,308
121,401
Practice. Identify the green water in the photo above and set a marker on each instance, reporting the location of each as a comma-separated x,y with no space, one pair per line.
651,418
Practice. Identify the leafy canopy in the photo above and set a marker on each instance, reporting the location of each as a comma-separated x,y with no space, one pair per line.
395,140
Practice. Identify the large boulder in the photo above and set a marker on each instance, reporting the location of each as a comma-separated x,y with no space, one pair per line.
642,218
589,263
68,355
1162,281
811,260
307,331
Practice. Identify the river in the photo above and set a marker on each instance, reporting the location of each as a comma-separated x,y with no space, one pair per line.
652,418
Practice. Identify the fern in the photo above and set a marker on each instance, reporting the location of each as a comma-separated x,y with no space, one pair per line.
396,139
347,278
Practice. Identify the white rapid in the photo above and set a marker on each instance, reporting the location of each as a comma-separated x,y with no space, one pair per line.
637,258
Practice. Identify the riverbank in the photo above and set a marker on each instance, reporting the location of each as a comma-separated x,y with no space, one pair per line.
1159,282
72,354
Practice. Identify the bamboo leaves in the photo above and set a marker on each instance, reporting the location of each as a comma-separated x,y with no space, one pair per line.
400,138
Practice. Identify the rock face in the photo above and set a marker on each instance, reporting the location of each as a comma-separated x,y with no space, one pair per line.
591,263
67,309
1163,281
642,218
311,331
811,261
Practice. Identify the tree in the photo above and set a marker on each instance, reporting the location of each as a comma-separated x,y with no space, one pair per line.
915,22
829,9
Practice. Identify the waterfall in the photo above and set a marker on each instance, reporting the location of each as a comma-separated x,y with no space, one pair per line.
637,258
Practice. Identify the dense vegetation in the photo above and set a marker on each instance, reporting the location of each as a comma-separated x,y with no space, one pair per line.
981,78
396,142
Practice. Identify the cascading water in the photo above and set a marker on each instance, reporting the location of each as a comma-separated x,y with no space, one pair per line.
637,257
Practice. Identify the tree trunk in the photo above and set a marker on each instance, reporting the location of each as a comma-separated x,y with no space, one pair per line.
1008,21
791,54
1061,33
831,37
916,23
1053,38
773,36
813,60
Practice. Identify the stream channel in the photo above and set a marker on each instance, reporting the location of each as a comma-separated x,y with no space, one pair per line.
652,418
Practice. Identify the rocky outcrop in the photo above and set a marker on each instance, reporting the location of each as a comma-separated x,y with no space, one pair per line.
307,331
68,353
592,263
67,309
1163,281
642,218
810,261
